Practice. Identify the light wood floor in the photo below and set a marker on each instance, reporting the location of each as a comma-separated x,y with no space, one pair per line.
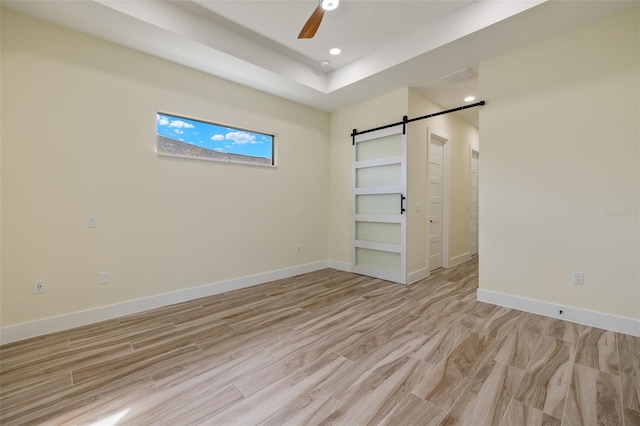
327,347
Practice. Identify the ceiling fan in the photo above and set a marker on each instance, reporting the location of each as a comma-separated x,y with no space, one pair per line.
313,23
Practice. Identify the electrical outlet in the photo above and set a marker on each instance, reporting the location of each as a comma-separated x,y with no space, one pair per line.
38,286
92,222
298,215
103,277
578,278
298,248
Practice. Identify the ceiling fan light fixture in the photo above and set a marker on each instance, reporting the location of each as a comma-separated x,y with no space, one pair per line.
329,4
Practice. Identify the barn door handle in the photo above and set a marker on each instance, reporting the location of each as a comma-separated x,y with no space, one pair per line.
402,209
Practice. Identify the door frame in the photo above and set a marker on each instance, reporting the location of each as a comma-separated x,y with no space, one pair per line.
445,193
472,149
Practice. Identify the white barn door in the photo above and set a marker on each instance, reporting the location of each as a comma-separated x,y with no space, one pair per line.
379,218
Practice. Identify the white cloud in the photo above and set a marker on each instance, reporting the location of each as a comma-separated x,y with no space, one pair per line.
180,124
217,137
178,131
162,120
219,149
240,138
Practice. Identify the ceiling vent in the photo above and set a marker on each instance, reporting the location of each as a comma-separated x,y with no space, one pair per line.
459,76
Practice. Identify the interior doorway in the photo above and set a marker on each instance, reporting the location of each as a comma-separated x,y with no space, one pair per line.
474,185
438,206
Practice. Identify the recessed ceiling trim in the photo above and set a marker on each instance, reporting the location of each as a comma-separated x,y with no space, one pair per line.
189,25
471,18
196,35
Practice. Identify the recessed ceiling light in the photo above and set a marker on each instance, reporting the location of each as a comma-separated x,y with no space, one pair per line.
329,4
470,98
335,51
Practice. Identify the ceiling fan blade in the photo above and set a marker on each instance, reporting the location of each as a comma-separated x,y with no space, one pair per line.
312,24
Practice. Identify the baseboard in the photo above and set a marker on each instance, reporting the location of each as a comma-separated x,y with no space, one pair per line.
569,313
417,275
454,261
27,330
340,266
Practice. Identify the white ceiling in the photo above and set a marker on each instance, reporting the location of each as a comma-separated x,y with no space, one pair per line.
385,45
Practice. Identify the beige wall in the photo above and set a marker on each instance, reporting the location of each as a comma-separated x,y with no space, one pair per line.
560,147
461,136
376,112
78,139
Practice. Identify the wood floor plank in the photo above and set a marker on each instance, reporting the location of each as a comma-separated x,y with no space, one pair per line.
174,406
547,379
594,397
267,402
309,409
342,386
563,330
100,404
440,316
370,401
137,363
631,417
501,322
219,371
180,335
120,334
85,399
442,384
486,398
516,348
327,347
629,352
413,411
598,349
522,415
64,360
251,340
532,322
30,350
40,385
441,343
376,337
255,381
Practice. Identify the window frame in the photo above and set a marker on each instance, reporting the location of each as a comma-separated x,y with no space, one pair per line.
272,162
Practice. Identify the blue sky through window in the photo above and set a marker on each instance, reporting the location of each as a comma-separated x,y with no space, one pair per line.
214,137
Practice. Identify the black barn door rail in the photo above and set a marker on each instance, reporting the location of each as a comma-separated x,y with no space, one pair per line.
406,120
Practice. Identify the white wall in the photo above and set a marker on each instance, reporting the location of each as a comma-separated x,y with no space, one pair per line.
78,139
560,147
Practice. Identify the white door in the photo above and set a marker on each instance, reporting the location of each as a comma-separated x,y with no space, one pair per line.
473,226
379,189
435,170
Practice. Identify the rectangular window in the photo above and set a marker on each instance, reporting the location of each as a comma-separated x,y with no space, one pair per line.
189,138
